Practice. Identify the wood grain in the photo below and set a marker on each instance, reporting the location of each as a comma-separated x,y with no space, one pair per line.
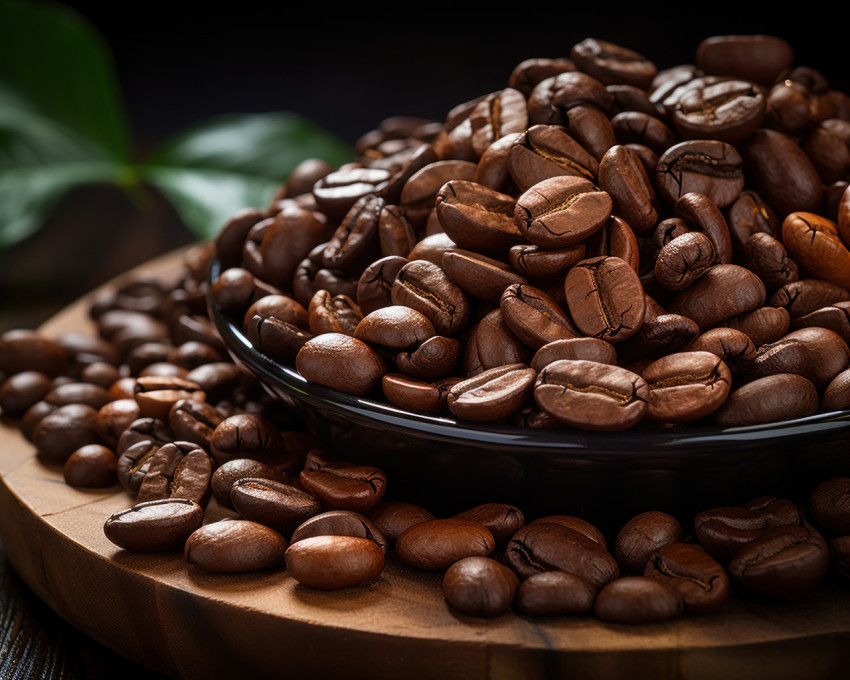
186,623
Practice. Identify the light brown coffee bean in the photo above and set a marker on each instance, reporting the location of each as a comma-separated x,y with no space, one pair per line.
334,562
235,546
154,526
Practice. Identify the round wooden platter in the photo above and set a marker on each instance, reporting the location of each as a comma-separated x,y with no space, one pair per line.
186,623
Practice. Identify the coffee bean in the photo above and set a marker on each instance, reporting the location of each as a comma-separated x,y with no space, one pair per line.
339,523
636,599
642,536
333,562
93,465
345,486
555,593
699,579
479,586
437,544
829,505
234,546
501,519
493,394
686,386
154,526
226,474
710,167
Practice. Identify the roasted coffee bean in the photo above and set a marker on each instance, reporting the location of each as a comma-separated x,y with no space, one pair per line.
545,151
583,526
529,72
333,562
816,246
764,325
833,317
290,237
761,58
345,486
271,503
145,429
710,167
421,189
26,350
425,287
375,283
612,63
226,474
836,396
341,362
245,435
782,396
637,599
493,394
339,523
64,430
553,96
699,579
592,129
396,233
393,518
437,544
591,349
93,465
657,336
750,215
555,593
338,191
686,386
235,546
642,536
561,211
724,530
177,470
155,395
194,421
501,519
683,260
545,546
806,295
434,359
477,218
723,291
355,242
395,326
21,390
830,354
492,170
539,263
534,316
779,170
605,298
333,314
769,259
729,110
590,395
623,176
479,586
416,395
785,563
829,505
481,277
700,210
637,127
154,526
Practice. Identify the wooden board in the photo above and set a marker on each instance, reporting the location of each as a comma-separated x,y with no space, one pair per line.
190,624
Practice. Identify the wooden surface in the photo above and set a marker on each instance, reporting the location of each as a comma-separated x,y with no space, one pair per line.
186,623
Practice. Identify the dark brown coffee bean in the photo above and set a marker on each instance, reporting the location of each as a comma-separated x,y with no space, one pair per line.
806,295
700,580
783,396
421,189
193,421
553,96
492,170
723,291
434,359
724,530
545,151
529,72
535,262
345,486
836,396
293,233
784,563
476,217
394,517
544,546
228,473
685,386
375,283
555,593
762,58
416,395
605,298
590,395
582,526
709,167
479,586
830,353
177,470
493,394
729,110
27,350
154,526
339,523
338,191
561,211
734,347
21,390
149,430
93,465
273,504
427,288
642,536
501,519
155,395
767,257
341,362
437,544
332,314
395,326
482,277
612,63
635,600
622,175
245,435
64,430
683,260
591,349
334,562
701,211
829,505
834,317
763,325
750,215
234,546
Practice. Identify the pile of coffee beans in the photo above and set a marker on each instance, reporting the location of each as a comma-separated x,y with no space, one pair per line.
597,245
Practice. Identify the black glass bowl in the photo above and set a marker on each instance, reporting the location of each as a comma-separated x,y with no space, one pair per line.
449,465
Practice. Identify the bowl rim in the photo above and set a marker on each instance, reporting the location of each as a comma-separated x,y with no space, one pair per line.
665,441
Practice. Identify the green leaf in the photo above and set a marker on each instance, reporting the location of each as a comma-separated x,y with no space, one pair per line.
57,61
41,159
232,162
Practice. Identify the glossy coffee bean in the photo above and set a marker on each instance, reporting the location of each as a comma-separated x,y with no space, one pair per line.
493,394
829,505
345,486
635,600
710,167
437,544
333,562
245,435
699,579
177,470
93,465
782,396
479,586
477,218
341,362
273,504
64,430
226,474
393,517
154,526
555,593
502,519
534,316
642,536
235,546
426,288
686,386
339,523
